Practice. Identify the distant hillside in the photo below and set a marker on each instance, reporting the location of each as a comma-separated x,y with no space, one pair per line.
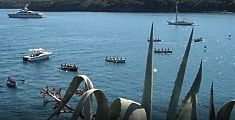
121,5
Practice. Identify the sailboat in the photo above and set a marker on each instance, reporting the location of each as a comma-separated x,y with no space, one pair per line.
178,21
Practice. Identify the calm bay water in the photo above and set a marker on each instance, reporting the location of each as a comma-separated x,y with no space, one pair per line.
85,38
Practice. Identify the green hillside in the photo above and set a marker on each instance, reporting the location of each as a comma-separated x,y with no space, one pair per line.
121,5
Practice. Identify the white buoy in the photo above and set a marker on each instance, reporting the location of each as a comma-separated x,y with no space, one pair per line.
154,69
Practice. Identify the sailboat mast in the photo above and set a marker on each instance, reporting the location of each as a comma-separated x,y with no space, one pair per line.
176,11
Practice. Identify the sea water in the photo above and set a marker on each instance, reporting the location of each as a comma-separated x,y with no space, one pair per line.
86,38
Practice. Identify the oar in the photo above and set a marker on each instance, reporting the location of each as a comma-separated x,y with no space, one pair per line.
21,80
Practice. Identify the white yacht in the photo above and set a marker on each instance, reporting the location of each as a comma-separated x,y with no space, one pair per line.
177,20
26,13
37,54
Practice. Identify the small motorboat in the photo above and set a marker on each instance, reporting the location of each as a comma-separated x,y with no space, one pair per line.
11,82
115,59
156,40
164,51
37,54
198,39
69,67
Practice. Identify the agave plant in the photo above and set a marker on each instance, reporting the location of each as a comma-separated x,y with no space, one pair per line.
124,109
188,109
120,109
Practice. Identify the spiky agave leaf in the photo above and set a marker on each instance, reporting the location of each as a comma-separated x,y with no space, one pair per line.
188,110
146,102
123,109
102,112
71,90
212,115
126,109
196,84
191,94
171,113
225,112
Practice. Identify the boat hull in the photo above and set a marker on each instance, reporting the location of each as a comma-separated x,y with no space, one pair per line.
156,40
180,23
10,85
25,16
37,58
198,39
69,69
116,61
164,52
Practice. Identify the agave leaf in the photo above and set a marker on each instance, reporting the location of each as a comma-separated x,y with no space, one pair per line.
148,83
71,90
88,109
137,114
196,84
115,109
225,112
171,113
123,109
194,108
188,110
212,115
192,94
102,112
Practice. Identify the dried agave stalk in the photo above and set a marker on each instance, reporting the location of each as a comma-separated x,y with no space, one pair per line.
77,80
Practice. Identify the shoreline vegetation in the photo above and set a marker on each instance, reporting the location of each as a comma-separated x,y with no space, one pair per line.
187,6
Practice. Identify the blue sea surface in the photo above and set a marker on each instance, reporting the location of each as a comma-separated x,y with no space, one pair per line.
85,38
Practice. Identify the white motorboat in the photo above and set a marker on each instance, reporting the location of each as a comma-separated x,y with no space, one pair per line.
37,54
26,13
